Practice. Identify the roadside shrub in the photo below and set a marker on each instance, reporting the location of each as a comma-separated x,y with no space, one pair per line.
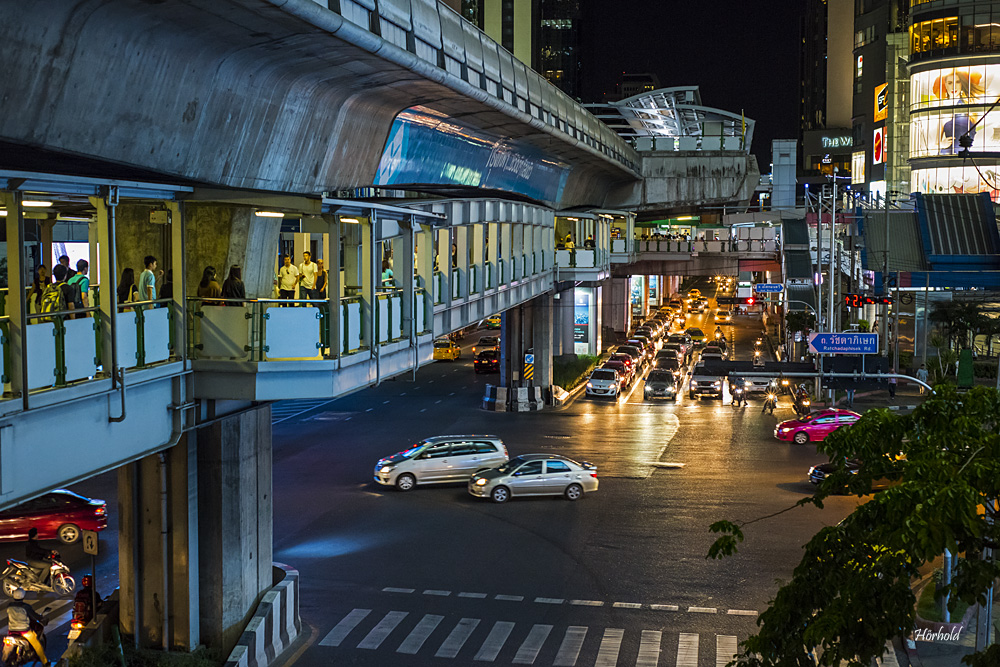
984,369
568,371
107,655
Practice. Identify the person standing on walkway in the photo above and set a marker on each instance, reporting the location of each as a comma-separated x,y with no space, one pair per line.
922,376
209,287
307,276
892,385
233,287
850,397
288,278
147,279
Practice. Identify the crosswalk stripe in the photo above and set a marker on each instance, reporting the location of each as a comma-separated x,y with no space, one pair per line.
456,640
378,634
649,649
342,629
532,645
494,641
702,610
587,603
415,640
569,650
611,644
725,649
687,650
475,596
664,607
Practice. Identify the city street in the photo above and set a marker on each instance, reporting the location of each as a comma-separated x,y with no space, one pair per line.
619,577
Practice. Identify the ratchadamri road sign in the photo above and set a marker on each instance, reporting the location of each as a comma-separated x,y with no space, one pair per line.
768,288
843,343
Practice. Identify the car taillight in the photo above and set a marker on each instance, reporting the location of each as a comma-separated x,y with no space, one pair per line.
76,625
10,641
101,511
594,475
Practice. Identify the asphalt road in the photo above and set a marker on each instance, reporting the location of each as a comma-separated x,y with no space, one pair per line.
434,577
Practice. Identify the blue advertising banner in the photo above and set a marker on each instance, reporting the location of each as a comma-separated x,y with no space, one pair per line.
429,148
581,317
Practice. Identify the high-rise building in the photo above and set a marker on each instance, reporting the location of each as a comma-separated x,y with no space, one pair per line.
880,93
825,64
543,34
954,70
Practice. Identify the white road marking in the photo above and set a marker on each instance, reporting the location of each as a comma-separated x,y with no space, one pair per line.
369,409
452,394
666,464
569,650
702,610
423,409
649,649
550,600
664,607
415,640
611,645
403,394
687,650
725,649
384,402
378,634
509,598
442,594
342,629
532,645
456,640
494,641
741,612
477,596
627,605
389,589
587,603
437,401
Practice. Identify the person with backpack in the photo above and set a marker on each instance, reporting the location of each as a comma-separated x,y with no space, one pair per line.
41,281
81,284
59,296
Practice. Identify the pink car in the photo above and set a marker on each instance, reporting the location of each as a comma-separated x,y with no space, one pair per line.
815,426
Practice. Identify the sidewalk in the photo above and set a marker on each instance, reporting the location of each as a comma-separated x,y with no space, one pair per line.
908,397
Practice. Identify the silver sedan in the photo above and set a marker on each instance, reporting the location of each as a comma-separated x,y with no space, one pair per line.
535,475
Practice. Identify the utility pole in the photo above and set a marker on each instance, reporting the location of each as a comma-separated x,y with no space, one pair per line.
884,328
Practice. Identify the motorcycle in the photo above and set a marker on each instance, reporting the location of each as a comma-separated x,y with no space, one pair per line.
739,395
802,402
20,575
17,650
770,403
758,359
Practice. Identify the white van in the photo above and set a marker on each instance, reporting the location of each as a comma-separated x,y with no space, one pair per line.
442,458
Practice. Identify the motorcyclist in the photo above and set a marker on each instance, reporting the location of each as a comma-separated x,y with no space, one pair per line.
737,387
19,618
770,401
38,558
83,604
718,332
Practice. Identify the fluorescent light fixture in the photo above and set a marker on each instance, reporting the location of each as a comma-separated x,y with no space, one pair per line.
36,203
73,218
3,213
687,217
269,214
353,221
574,219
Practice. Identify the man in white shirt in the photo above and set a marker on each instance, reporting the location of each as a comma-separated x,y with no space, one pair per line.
288,278
307,276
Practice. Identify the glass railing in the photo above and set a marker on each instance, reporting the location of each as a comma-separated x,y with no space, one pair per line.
389,315
581,258
456,284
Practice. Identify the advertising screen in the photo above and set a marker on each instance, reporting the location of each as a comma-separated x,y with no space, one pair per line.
581,317
948,180
955,86
950,102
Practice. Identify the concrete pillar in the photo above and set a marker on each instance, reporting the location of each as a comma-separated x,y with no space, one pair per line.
542,339
235,529
45,233
16,306
511,348
334,283
159,563
223,235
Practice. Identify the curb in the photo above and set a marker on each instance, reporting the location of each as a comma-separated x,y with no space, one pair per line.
275,624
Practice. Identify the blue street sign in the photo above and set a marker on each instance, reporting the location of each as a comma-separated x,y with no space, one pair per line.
529,358
843,343
768,287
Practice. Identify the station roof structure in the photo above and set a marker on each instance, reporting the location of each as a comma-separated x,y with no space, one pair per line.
671,112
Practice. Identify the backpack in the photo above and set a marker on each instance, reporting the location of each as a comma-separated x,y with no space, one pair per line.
76,284
53,301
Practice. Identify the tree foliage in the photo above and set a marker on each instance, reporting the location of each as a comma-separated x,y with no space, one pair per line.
851,591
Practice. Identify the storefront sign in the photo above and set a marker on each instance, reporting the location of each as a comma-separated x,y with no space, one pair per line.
581,317
881,102
878,146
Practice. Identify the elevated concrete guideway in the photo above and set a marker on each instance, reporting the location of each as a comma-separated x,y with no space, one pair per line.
282,96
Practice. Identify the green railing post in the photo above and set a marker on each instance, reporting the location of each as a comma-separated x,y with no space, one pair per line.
5,342
140,337
345,324
59,333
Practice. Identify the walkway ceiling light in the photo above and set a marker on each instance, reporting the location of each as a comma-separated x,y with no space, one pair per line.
3,213
353,221
73,218
574,219
687,217
269,214
36,203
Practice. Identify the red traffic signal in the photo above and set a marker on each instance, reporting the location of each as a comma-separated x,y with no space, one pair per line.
749,300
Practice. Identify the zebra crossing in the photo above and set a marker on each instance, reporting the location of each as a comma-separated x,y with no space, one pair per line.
285,410
524,643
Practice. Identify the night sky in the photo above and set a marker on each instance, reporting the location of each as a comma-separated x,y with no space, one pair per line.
743,55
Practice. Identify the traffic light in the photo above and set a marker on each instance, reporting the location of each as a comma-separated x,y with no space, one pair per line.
861,300
749,301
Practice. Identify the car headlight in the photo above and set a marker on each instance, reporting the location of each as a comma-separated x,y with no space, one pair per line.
717,383
786,429
746,383
481,481
811,469
693,384
385,469
590,385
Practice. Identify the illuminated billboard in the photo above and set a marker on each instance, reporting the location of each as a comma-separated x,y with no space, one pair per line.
949,180
881,102
951,102
954,86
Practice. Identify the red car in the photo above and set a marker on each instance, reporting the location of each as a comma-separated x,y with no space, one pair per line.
621,369
815,426
625,359
60,514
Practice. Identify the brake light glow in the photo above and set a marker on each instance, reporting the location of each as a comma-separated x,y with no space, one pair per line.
594,475
76,625
10,641
101,511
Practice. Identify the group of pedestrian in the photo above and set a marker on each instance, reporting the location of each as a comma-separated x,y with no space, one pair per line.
64,289
130,291
309,277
